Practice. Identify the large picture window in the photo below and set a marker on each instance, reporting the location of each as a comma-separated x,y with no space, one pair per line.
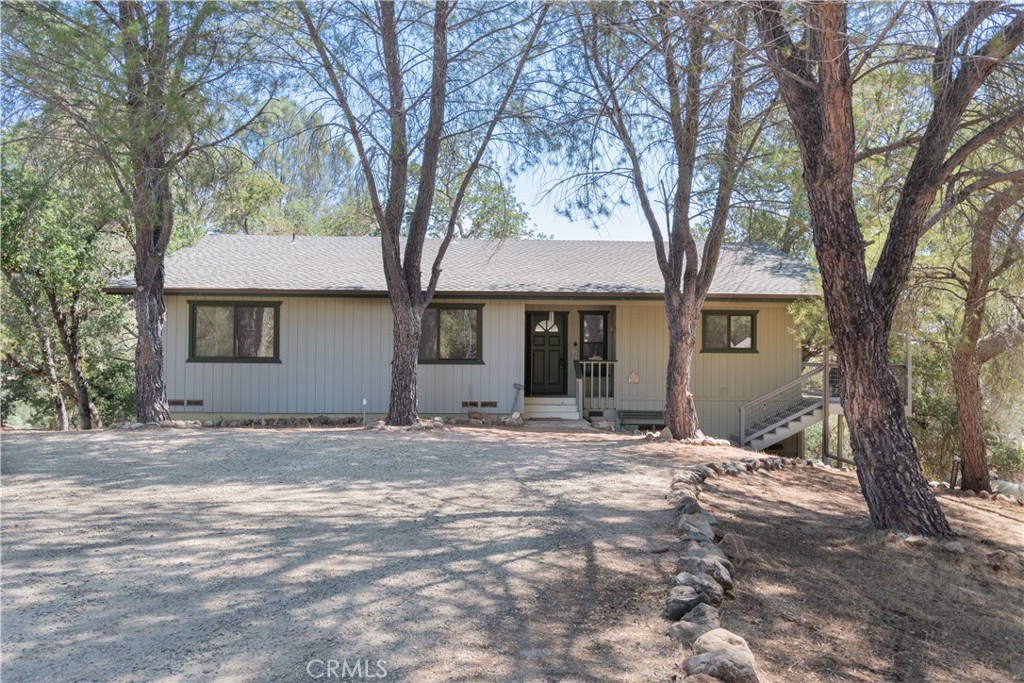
451,334
730,332
234,332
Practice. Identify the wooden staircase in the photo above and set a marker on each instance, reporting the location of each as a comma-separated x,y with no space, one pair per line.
799,404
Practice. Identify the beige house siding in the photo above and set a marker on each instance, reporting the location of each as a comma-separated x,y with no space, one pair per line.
336,351
721,381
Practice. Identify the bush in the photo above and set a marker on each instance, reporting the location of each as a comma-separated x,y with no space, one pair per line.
1006,459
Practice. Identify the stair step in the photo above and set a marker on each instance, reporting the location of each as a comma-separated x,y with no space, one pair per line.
550,401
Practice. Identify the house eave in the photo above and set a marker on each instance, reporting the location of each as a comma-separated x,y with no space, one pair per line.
368,293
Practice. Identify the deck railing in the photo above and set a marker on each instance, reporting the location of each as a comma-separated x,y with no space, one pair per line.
770,410
595,385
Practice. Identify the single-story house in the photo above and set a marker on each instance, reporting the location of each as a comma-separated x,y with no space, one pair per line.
262,326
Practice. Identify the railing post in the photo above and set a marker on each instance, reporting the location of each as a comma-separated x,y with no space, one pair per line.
579,396
826,399
743,426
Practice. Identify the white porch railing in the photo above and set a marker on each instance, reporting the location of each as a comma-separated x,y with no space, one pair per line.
595,385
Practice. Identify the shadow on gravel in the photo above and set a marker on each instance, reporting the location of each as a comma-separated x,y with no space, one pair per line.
244,555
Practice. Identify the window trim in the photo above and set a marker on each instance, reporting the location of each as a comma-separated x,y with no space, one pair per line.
607,337
193,358
479,360
728,330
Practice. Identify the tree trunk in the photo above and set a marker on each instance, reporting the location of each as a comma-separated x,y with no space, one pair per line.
889,471
147,73
150,316
83,401
970,419
94,414
60,408
67,329
404,357
859,307
888,468
680,411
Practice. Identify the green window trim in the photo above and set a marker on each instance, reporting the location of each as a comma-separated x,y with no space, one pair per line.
605,342
192,310
479,360
729,315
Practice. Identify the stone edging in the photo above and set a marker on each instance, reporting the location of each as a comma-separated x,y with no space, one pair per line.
705,576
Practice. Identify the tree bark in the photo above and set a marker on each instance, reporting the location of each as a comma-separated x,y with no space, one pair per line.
404,359
680,410
150,316
403,263
972,350
970,419
687,271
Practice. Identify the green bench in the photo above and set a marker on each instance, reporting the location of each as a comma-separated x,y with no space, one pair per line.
637,419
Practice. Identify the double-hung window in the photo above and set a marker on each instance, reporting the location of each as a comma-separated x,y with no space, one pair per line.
240,332
451,334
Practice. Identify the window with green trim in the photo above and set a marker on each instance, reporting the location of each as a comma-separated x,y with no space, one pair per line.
730,332
594,332
221,331
451,334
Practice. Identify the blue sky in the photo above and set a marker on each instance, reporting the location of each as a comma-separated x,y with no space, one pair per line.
625,223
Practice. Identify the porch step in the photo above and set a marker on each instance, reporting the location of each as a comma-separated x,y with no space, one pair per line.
550,408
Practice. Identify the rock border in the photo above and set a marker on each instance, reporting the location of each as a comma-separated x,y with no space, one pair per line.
705,576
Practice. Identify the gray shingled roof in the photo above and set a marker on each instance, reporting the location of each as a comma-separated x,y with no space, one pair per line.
242,263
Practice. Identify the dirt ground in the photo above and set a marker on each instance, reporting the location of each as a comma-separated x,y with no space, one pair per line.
825,599
245,555
464,555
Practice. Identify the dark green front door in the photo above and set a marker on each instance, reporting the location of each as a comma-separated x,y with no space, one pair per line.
545,359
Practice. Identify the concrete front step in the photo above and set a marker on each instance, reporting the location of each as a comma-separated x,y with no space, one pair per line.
550,407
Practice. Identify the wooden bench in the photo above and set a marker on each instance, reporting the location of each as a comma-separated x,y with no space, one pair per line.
635,419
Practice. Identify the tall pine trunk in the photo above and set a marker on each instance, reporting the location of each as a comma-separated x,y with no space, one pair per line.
970,420
404,357
147,73
680,410
150,315
888,468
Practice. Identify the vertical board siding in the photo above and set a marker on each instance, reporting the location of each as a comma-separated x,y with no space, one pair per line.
337,351
334,353
721,382
442,388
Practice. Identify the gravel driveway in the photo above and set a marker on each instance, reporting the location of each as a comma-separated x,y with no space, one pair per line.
247,555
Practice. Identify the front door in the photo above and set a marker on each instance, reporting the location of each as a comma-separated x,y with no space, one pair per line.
545,360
